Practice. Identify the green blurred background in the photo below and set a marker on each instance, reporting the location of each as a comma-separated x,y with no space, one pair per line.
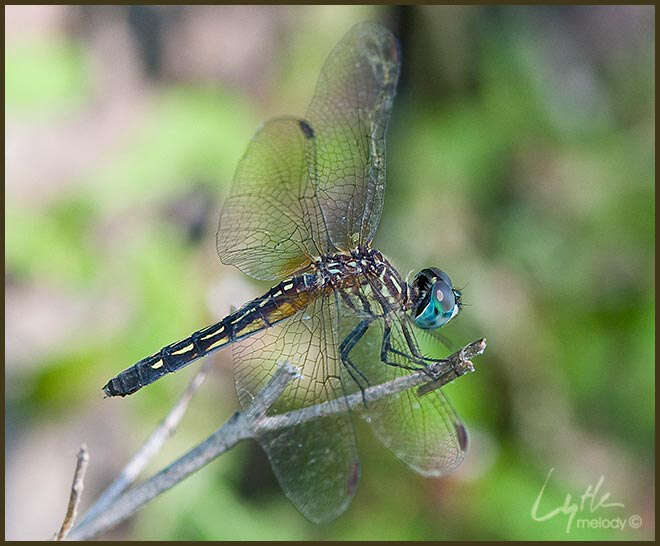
521,161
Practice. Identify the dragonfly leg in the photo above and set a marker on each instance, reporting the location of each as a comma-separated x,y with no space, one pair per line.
426,359
386,348
415,355
345,348
414,349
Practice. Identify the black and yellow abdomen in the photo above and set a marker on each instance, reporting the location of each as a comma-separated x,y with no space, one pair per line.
279,303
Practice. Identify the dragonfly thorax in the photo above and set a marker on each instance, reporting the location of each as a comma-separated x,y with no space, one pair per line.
364,271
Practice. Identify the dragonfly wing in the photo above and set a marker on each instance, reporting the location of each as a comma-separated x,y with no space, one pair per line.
265,225
348,117
423,431
316,462
309,187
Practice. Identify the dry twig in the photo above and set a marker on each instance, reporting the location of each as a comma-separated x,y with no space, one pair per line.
76,492
150,448
253,422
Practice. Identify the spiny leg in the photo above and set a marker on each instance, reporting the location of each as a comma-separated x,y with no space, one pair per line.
386,348
413,346
415,355
346,346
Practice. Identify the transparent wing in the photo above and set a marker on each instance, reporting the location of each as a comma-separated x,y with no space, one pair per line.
423,431
315,462
348,118
265,225
309,187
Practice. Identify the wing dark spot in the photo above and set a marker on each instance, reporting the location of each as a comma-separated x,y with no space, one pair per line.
306,129
462,436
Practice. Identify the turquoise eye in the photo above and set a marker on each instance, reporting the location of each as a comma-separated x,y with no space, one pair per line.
440,308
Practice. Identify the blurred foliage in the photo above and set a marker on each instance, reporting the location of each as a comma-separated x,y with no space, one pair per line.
170,149
45,78
520,161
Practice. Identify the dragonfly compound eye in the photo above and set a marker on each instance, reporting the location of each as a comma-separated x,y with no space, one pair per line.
441,275
426,277
438,306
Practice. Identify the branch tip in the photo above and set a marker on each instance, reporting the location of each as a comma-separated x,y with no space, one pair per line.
82,460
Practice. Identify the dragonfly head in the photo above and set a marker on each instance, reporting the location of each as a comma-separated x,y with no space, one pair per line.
436,301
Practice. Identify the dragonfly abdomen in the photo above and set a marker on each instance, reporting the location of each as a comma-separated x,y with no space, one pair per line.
278,303
169,359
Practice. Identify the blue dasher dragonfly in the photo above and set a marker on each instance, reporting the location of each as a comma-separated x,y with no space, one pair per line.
303,209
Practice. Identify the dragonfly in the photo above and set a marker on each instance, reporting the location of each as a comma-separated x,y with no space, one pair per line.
303,209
